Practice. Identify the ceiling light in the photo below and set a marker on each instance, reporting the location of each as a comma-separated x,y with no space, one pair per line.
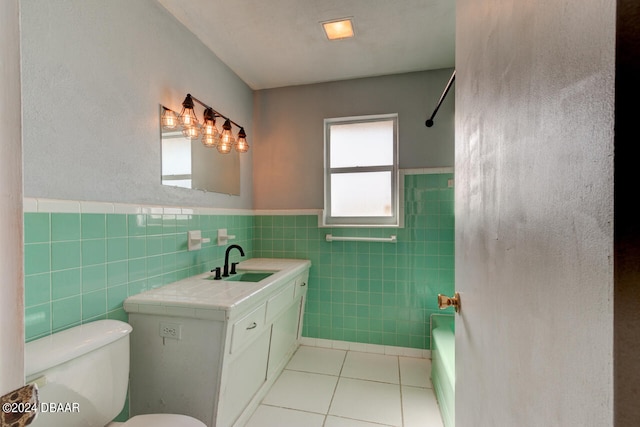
338,29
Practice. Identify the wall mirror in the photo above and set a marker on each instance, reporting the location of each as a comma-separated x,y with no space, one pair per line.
187,163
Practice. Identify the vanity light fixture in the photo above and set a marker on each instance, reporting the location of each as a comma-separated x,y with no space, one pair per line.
338,29
223,141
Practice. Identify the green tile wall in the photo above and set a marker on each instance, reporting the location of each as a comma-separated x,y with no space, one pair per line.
81,267
377,293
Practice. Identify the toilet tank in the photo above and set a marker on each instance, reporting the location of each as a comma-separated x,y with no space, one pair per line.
83,371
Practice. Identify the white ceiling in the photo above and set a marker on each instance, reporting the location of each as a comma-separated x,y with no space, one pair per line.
275,43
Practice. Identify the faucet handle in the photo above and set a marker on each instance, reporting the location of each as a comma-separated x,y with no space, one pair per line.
233,267
217,271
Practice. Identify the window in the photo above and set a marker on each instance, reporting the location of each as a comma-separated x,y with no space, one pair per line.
361,171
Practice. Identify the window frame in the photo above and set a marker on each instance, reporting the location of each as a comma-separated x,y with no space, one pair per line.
362,221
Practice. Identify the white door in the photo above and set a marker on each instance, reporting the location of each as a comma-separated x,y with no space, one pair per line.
534,213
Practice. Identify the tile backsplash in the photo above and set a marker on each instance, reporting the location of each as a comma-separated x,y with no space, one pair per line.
373,292
80,267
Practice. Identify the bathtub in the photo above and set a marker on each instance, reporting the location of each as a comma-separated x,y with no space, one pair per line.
443,365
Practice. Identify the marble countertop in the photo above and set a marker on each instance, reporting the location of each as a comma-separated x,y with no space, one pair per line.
200,297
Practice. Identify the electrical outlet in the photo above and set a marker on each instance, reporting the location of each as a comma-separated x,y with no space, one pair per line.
170,330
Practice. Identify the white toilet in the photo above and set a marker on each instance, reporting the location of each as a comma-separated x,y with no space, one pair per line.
84,373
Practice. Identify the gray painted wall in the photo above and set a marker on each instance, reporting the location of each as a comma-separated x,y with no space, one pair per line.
289,158
534,213
93,75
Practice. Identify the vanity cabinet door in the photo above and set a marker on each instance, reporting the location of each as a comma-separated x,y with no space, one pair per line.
284,336
279,302
300,294
247,373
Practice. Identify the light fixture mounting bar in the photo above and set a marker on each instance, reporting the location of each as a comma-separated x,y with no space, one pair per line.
214,111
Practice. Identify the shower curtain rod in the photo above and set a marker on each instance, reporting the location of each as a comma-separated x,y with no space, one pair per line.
429,121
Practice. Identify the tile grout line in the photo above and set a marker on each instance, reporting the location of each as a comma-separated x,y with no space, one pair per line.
400,390
339,376
336,387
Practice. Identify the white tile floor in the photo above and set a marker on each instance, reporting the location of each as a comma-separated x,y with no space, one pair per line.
323,387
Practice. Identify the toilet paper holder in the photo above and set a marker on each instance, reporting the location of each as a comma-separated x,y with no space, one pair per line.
195,240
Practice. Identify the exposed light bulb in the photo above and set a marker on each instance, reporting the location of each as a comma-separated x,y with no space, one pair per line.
226,138
209,128
224,147
169,118
188,115
191,132
188,119
210,133
210,140
241,144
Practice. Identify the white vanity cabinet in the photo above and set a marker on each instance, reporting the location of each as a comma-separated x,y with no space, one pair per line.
215,358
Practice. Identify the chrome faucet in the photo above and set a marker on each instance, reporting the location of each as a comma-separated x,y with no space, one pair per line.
226,260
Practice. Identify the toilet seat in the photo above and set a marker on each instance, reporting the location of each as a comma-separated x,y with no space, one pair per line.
163,420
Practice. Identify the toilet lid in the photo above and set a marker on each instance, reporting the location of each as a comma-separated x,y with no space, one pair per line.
163,420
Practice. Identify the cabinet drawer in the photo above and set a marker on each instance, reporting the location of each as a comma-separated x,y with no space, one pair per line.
247,328
279,302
